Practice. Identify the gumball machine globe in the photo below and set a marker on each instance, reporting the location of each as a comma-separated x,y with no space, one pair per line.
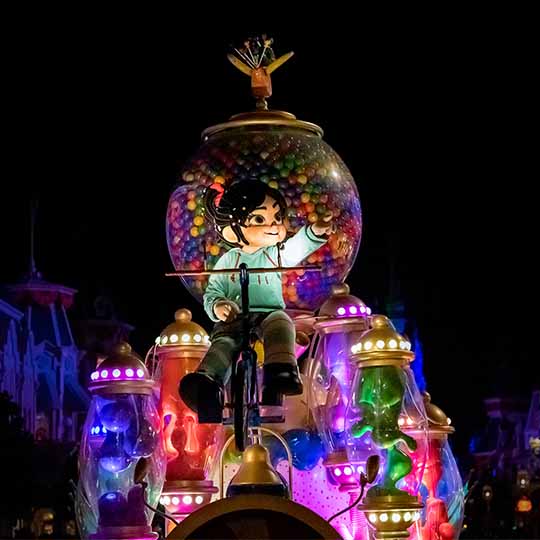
289,155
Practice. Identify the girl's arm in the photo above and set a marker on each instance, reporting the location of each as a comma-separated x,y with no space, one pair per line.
300,246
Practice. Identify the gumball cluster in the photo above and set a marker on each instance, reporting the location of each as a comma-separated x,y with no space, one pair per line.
311,176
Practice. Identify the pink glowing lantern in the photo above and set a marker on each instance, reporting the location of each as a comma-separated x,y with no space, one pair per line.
122,458
191,448
442,488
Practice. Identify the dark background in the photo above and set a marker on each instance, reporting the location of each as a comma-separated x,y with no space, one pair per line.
434,120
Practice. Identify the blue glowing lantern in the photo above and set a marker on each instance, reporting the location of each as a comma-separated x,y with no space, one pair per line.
122,460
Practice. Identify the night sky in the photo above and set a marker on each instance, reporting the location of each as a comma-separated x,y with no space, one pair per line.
433,125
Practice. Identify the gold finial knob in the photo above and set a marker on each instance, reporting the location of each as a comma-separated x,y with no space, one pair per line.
340,289
182,315
122,348
381,321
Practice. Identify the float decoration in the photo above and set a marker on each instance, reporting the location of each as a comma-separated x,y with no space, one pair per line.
191,448
383,390
122,429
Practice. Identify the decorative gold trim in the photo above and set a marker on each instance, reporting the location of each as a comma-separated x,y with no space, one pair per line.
262,118
194,521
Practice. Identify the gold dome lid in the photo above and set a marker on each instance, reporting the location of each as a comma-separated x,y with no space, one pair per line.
123,371
438,424
437,419
342,308
262,118
183,332
382,344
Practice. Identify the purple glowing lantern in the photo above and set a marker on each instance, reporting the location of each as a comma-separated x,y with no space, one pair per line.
342,319
122,433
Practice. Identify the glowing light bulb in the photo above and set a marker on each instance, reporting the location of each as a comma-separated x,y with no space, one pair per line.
187,499
368,345
380,344
166,500
175,500
116,373
185,338
396,518
353,310
197,338
392,343
368,311
341,311
164,340
206,339
157,343
104,373
410,422
407,516
337,472
416,515
140,373
372,518
384,517
174,338
401,421
198,499
363,310
129,372
347,471
402,345
407,346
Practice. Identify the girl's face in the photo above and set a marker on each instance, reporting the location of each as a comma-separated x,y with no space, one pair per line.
264,226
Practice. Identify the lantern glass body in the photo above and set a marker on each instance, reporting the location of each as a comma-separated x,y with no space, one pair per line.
332,374
311,176
441,488
120,430
191,448
382,398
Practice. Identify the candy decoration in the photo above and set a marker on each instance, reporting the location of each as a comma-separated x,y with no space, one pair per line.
311,176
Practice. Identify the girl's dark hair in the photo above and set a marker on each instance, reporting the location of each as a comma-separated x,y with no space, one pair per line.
236,203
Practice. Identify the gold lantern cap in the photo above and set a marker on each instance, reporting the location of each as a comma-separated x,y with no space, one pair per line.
183,332
438,422
342,311
122,372
382,345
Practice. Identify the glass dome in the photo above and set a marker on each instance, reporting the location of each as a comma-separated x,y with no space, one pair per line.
383,392
289,155
122,459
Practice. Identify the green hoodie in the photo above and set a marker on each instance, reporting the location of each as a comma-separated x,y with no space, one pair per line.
265,290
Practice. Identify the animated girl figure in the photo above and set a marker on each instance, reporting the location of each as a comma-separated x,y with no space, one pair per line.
250,216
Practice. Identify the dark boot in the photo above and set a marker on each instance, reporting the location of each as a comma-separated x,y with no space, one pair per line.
204,395
281,378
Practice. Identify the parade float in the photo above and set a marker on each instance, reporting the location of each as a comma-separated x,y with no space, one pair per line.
347,449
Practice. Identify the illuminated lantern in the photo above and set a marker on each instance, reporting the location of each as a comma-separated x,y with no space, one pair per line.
287,154
342,320
191,448
383,391
524,505
441,485
122,458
